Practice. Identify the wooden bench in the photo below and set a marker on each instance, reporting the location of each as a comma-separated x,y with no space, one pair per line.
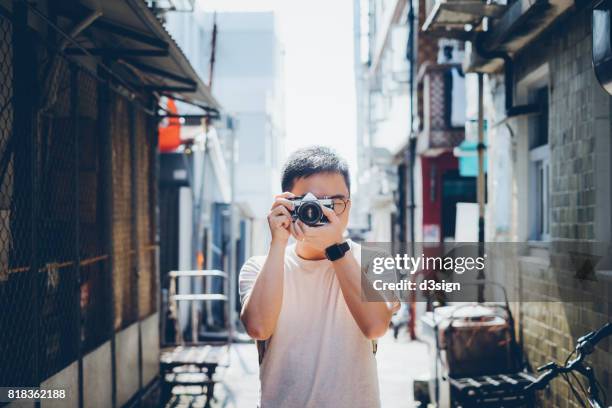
193,366
191,369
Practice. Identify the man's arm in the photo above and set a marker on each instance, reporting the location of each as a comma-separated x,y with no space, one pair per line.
372,317
263,304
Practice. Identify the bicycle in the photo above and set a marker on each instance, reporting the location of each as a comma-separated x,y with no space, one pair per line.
584,347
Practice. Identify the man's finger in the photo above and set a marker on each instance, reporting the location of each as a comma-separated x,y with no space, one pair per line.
298,232
280,220
294,232
286,194
281,210
306,230
286,223
330,214
282,202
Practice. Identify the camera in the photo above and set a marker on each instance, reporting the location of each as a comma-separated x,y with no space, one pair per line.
308,209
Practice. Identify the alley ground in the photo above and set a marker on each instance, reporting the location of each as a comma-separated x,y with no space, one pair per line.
399,362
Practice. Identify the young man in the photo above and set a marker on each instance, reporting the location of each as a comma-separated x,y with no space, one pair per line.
303,302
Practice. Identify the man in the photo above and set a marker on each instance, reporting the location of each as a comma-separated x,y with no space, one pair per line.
303,302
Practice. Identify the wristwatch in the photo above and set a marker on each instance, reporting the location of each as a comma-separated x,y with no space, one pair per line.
337,251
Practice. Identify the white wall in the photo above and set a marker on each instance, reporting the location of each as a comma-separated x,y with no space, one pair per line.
248,83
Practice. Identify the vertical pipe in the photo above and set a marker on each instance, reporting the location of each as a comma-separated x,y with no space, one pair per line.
412,140
481,151
232,235
198,214
154,185
481,181
74,123
411,157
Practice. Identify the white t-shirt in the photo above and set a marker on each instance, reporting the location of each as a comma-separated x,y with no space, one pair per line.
317,356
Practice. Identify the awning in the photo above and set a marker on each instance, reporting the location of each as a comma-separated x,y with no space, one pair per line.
455,15
509,28
127,35
467,153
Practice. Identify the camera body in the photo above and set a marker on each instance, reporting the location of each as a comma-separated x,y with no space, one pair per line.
308,210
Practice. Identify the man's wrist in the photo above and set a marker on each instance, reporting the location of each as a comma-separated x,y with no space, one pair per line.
337,251
278,243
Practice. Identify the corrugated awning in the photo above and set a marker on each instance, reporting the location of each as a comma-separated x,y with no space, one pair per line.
127,34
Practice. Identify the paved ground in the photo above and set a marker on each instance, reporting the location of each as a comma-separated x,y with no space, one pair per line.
399,362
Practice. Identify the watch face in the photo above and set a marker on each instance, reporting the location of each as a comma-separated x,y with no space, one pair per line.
334,252
337,251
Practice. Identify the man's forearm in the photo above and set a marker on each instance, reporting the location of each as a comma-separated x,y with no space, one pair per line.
262,307
371,317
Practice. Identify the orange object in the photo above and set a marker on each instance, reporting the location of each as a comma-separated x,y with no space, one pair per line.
200,260
170,130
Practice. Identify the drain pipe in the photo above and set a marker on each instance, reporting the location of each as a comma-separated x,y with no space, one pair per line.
511,110
481,186
481,152
410,54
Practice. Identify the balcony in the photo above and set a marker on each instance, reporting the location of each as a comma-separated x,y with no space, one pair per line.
449,18
443,113
506,27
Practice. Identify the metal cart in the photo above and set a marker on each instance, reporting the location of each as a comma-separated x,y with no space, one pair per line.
476,361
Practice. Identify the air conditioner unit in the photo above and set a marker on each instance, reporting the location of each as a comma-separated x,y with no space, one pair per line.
450,51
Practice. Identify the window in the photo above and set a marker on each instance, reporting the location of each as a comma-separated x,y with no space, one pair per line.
540,176
539,167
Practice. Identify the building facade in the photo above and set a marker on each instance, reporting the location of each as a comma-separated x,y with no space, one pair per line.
409,112
552,169
248,79
383,114
546,125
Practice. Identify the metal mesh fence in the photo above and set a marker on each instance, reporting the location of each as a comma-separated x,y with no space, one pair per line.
17,283
95,296
77,212
145,185
56,225
124,279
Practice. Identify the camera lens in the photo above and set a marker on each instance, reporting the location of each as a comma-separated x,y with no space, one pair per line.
310,213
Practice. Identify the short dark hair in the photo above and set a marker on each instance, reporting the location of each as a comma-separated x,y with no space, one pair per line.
313,160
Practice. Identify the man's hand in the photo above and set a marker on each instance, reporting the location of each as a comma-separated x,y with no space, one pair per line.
323,236
279,218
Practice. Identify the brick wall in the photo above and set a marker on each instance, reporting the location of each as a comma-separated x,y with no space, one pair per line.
579,134
579,111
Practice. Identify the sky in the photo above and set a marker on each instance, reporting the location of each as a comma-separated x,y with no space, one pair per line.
317,37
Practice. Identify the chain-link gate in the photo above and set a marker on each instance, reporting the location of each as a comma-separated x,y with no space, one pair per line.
78,258
18,302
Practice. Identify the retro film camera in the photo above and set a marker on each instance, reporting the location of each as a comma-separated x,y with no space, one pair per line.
308,209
